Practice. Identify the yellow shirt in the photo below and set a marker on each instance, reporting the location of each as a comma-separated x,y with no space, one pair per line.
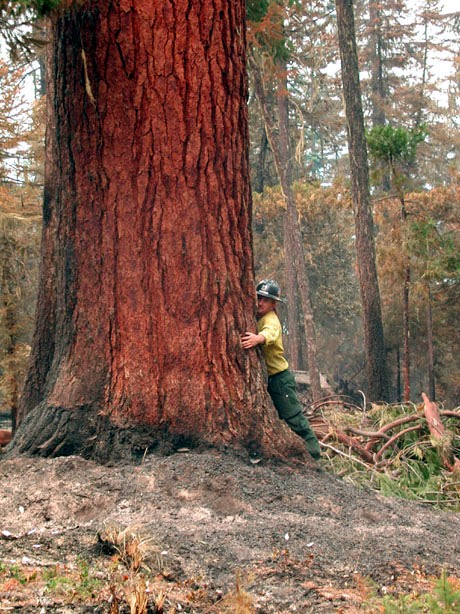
270,327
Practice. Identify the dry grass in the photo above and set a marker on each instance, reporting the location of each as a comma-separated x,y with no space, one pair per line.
238,601
131,546
132,549
136,595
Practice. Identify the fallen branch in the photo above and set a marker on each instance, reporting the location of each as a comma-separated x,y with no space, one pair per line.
438,434
399,422
372,434
342,453
448,413
354,445
335,402
370,445
395,437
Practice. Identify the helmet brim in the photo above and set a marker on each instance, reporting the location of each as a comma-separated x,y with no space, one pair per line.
267,295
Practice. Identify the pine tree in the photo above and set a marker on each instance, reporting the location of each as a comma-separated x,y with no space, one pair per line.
147,271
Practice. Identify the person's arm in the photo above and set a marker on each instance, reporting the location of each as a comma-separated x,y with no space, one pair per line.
267,335
250,340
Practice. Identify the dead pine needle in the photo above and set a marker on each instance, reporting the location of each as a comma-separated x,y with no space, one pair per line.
238,601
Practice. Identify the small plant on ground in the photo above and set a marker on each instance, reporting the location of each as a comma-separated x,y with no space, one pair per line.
131,546
238,601
444,598
75,584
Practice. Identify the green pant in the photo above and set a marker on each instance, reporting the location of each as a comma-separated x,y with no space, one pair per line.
282,389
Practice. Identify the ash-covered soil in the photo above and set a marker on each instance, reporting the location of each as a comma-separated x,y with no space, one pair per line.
296,540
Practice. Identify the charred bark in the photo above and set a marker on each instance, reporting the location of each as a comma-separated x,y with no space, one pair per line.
147,269
365,247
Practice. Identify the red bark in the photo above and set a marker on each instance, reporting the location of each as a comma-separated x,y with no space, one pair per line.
438,434
147,273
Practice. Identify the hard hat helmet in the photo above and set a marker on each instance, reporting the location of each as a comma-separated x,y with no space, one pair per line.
270,289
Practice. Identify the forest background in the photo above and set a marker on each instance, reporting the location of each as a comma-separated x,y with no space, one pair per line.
410,79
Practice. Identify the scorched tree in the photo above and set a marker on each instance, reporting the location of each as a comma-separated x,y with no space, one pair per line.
147,270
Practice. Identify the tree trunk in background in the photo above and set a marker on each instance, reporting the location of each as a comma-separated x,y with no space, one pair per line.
405,302
378,86
430,344
377,82
147,270
9,286
283,166
293,336
406,334
259,179
293,246
365,248
426,44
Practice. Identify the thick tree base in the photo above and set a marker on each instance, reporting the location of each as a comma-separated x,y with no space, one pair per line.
56,431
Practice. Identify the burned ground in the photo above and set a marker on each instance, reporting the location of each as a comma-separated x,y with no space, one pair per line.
293,539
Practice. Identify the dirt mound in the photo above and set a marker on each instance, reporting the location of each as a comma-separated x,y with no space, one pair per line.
298,540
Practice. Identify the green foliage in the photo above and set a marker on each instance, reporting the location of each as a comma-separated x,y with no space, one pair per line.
256,10
389,144
394,150
266,29
411,468
438,250
445,599
17,573
55,581
60,580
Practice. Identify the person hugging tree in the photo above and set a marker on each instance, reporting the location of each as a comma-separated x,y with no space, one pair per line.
281,382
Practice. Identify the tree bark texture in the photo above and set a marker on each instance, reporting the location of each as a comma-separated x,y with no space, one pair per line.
147,270
430,346
293,341
406,307
9,285
377,79
259,179
365,247
283,163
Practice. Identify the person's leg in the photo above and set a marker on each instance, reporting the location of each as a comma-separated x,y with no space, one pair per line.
282,390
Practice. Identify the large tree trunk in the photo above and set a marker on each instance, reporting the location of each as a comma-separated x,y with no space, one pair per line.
365,248
147,270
